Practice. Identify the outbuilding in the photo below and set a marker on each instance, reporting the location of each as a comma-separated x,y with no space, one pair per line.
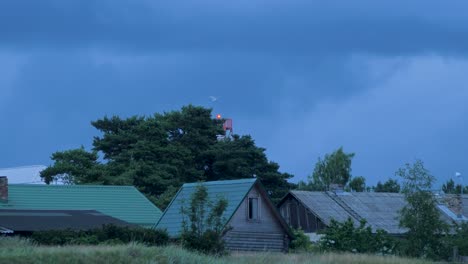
251,221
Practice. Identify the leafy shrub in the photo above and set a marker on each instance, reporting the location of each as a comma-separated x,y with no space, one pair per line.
460,240
301,241
345,237
204,229
109,234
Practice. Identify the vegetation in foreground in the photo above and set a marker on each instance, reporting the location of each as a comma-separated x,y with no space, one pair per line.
14,250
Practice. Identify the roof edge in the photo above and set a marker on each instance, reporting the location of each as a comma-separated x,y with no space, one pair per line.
167,207
220,182
274,209
71,186
307,207
243,198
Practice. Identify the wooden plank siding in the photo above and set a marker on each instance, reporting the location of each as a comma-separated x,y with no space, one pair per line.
299,217
264,234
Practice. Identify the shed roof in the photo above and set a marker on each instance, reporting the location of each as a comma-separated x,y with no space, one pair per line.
41,220
379,209
123,202
234,191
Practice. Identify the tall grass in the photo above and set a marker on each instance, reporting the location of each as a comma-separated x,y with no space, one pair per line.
13,250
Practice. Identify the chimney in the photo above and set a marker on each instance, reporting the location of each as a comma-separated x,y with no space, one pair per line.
336,188
3,189
454,203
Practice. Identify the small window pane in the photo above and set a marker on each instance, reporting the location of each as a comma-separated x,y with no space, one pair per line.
253,208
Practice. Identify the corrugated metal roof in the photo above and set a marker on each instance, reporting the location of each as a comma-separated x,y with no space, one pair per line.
380,210
450,214
234,191
322,205
122,202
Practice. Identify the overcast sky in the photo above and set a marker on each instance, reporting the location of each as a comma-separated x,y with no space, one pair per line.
387,80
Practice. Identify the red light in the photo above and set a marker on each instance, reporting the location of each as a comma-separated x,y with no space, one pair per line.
218,116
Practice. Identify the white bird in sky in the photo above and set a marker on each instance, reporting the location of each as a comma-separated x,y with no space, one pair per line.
213,98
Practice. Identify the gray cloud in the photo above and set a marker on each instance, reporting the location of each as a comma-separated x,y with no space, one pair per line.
295,27
417,111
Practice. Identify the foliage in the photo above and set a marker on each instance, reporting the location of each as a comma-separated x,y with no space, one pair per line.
390,186
334,168
239,158
159,153
460,239
450,188
345,237
203,230
420,215
358,184
301,242
13,250
109,234
74,166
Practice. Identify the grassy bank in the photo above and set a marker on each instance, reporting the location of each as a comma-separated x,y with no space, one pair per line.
22,251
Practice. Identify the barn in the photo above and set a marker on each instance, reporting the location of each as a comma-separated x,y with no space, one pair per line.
251,221
313,211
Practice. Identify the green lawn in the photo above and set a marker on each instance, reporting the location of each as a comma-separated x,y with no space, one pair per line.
22,251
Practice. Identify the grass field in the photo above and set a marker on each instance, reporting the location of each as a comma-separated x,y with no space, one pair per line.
23,251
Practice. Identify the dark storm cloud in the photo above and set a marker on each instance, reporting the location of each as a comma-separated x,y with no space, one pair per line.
302,77
293,27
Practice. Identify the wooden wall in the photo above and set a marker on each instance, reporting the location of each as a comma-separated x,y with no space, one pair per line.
297,216
264,234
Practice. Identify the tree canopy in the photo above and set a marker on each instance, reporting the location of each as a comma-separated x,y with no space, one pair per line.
421,216
159,153
358,184
334,168
390,186
452,188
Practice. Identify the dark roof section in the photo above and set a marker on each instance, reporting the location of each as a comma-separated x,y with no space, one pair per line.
42,220
123,202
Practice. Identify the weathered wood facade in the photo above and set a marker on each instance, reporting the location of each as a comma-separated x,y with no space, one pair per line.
261,233
298,216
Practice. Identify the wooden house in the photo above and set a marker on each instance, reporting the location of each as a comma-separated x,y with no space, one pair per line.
251,221
313,211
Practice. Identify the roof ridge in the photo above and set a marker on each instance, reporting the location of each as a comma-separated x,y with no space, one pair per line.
221,182
72,186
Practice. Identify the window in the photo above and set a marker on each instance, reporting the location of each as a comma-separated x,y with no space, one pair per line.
288,213
253,208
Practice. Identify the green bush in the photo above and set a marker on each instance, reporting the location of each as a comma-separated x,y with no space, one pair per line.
345,237
108,234
460,239
203,223
301,242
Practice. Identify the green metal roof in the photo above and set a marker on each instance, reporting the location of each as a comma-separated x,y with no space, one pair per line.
234,191
123,202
